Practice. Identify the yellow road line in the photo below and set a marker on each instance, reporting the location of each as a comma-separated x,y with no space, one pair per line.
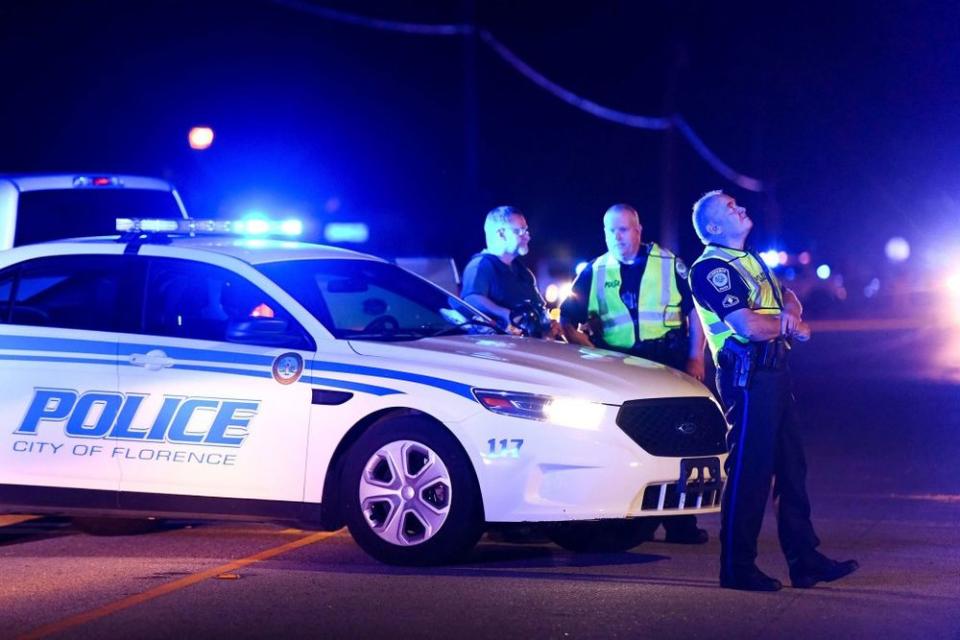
9,521
162,590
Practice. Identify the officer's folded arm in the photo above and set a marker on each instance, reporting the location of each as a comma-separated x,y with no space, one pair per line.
759,327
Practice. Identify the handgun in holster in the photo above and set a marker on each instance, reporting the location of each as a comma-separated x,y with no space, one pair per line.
744,360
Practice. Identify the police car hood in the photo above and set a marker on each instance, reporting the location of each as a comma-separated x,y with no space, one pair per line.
510,363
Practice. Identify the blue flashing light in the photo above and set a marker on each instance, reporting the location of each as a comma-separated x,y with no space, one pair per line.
356,232
581,266
292,227
770,257
257,226
823,271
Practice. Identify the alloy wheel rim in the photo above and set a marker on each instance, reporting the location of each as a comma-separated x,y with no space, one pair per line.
405,493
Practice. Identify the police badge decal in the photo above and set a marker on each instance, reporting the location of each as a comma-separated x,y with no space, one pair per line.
287,368
720,279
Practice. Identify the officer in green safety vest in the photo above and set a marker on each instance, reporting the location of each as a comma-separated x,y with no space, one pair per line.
635,299
750,322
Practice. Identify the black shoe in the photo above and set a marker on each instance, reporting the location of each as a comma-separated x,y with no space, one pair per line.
751,579
819,568
692,535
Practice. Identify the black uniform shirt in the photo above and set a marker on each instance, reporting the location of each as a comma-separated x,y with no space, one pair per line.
574,308
507,285
719,287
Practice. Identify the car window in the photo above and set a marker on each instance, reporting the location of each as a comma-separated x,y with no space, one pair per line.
6,289
71,292
70,213
371,300
199,301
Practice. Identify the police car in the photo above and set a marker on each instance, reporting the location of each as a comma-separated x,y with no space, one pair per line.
168,373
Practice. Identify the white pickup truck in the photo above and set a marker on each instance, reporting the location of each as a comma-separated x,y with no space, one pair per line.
39,207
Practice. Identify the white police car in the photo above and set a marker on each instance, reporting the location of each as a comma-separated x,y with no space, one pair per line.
168,375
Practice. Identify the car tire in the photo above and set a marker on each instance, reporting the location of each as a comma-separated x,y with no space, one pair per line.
116,526
409,494
603,536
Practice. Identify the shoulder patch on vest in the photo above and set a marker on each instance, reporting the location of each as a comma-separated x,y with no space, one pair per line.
729,300
720,279
682,269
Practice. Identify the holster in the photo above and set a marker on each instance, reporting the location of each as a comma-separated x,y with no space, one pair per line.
742,358
745,358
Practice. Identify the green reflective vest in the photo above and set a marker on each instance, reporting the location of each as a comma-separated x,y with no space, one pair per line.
658,301
763,292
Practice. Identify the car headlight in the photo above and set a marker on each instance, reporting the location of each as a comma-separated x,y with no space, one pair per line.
567,412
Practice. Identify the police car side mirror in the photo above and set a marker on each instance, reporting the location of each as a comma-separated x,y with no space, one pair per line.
267,332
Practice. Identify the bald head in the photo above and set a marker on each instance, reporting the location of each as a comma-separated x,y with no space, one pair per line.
621,230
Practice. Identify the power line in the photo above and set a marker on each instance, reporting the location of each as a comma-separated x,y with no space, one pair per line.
638,121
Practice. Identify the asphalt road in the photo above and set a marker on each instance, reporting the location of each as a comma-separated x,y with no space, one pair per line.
883,439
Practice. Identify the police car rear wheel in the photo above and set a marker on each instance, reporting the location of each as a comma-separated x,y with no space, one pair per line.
604,536
410,495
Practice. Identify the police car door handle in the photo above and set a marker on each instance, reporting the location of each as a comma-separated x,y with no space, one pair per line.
152,360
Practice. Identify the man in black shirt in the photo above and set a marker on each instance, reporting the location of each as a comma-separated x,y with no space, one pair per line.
635,299
495,281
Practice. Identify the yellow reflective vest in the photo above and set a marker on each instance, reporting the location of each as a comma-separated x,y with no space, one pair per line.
764,292
658,301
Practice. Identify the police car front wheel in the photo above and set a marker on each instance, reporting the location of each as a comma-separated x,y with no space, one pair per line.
410,495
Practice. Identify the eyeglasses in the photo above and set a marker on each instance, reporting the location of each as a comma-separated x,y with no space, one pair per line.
520,231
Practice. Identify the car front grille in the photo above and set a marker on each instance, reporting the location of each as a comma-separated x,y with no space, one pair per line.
658,497
675,427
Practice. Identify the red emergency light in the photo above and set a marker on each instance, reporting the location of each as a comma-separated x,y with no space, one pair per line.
96,181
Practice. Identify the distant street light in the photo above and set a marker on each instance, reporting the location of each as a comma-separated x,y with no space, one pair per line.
200,138
897,249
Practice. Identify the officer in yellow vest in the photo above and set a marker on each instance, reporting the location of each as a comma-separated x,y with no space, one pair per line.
635,299
750,322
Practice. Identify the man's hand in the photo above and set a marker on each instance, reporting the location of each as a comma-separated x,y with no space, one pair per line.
696,368
789,321
802,332
554,332
574,335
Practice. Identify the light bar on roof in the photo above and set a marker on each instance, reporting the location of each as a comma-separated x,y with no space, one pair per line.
86,182
207,226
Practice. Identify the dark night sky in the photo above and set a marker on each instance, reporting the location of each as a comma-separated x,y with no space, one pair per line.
850,111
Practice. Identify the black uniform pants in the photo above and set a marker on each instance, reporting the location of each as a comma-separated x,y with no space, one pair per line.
763,445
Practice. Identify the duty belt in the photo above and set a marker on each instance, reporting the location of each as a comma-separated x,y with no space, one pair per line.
763,355
745,358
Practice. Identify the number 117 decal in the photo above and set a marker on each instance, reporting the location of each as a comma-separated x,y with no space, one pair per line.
505,448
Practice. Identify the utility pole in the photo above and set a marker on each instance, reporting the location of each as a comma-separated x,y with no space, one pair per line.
669,234
471,137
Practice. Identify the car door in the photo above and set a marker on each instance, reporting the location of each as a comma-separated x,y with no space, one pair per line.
59,399
215,370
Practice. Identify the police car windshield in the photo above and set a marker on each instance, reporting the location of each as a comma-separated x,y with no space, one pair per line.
369,300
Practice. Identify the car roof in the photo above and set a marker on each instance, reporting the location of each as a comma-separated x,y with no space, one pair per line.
67,181
250,250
